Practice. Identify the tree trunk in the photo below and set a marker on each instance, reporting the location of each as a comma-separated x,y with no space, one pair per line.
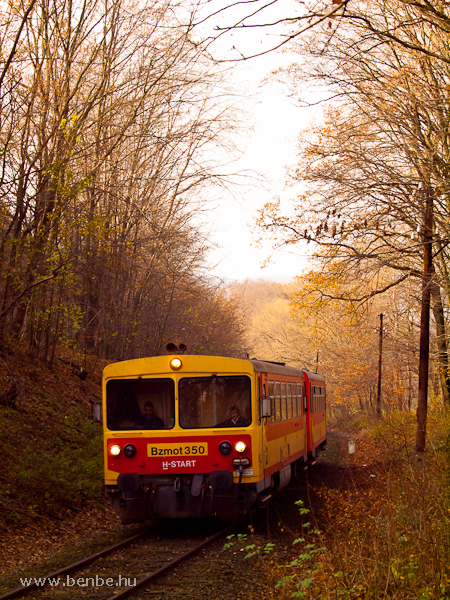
380,361
422,397
438,312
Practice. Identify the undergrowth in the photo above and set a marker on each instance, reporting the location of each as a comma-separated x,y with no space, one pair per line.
51,451
384,533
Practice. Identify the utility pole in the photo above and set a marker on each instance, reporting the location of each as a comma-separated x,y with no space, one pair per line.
424,348
380,361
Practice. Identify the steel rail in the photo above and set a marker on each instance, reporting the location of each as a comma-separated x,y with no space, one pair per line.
173,563
21,591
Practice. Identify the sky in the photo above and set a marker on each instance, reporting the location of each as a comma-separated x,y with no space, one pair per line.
268,149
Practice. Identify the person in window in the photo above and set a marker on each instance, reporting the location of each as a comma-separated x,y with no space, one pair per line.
235,420
148,420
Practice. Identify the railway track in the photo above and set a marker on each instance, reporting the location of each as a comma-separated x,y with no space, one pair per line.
121,570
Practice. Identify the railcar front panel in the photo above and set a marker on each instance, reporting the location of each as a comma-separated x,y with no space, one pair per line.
162,455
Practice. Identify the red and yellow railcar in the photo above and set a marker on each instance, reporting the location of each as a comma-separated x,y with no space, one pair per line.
173,448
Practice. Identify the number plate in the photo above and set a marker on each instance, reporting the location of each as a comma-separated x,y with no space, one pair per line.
245,472
165,450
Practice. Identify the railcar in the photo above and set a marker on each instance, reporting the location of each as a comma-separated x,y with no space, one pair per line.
174,449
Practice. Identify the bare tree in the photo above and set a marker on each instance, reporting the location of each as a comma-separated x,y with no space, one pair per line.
384,135
110,120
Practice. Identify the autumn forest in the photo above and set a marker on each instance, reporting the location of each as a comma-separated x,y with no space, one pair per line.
119,132
114,139
111,131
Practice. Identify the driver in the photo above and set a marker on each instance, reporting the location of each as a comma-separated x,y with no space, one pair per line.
148,420
235,419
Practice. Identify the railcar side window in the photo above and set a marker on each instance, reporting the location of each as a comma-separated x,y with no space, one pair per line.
140,404
300,399
278,400
206,401
294,400
323,398
319,398
289,399
272,401
283,401
264,395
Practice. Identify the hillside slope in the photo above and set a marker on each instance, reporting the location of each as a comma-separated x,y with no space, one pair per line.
52,463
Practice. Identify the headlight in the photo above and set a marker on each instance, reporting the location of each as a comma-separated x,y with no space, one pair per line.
240,446
175,364
225,448
115,450
129,450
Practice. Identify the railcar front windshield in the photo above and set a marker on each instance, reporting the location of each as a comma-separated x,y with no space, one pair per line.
214,401
140,404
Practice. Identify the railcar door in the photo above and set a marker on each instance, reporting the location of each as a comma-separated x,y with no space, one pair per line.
308,404
263,392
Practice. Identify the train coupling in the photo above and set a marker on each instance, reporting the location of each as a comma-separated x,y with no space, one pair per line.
241,462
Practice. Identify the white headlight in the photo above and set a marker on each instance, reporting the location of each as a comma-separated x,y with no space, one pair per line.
115,450
240,446
175,364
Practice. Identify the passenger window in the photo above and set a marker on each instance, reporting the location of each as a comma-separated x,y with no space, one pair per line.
294,400
289,399
278,401
283,401
272,401
300,399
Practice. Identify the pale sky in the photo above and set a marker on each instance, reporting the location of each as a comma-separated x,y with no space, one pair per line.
268,149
